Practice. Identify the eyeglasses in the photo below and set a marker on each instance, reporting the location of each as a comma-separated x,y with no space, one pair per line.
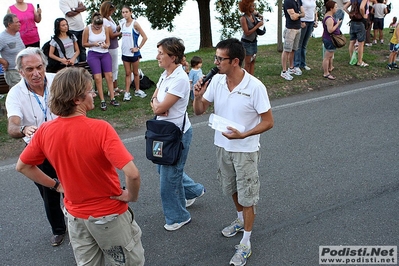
220,59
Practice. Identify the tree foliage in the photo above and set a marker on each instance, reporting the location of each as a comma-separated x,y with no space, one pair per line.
161,13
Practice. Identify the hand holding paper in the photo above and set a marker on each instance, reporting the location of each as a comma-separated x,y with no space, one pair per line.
220,124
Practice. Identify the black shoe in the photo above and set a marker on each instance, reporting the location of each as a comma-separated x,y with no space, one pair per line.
57,240
389,67
103,106
114,102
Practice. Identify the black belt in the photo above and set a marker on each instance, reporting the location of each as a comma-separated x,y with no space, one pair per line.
248,41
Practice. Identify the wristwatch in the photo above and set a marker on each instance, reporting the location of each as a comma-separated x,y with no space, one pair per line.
73,9
21,129
57,183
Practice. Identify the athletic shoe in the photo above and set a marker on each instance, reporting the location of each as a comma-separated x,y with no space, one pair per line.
285,75
294,71
307,68
140,94
190,202
114,102
175,226
389,67
375,42
394,65
233,228
297,71
127,96
368,44
103,106
242,254
382,41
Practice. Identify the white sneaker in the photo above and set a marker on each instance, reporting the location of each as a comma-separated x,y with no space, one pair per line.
140,94
295,71
127,96
175,226
307,68
285,75
190,202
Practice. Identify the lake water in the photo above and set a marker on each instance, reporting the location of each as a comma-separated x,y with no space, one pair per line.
186,26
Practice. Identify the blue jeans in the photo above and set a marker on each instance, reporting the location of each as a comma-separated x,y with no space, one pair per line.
300,54
82,49
177,186
340,14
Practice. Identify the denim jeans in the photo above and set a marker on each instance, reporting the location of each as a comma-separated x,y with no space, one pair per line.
82,49
300,54
177,186
340,14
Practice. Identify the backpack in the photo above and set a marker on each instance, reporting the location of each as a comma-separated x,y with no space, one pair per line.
355,14
145,82
389,7
53,65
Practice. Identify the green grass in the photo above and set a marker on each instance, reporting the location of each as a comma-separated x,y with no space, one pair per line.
268,67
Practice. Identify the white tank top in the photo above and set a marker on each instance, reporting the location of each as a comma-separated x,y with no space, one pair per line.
94,38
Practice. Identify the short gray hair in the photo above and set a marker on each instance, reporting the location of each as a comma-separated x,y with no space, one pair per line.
8,19
29,51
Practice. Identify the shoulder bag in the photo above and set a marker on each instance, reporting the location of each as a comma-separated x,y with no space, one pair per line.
339,40
163,141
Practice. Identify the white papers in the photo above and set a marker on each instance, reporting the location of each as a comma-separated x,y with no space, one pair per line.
220,124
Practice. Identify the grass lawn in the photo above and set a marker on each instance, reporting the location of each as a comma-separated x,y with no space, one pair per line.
133,114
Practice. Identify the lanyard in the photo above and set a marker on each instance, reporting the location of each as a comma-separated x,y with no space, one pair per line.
44,109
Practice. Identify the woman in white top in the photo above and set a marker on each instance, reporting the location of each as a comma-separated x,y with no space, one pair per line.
96,38
308,22
106,10
69,41
131,30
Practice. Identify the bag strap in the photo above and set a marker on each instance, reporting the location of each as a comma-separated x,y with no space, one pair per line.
184,121
59,42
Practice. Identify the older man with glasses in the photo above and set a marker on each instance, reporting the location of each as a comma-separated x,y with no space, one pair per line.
27,110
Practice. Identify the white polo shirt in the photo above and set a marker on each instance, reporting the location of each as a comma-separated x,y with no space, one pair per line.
243,105
177,84
22,103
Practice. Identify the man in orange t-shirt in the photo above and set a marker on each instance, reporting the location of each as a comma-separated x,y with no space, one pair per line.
85,152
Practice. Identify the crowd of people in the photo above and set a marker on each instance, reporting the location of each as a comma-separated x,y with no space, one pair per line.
301,18
49,110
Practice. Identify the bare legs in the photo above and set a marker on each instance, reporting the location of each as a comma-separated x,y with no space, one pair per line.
250,64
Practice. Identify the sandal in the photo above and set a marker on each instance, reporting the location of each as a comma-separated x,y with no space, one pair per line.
329,76
363,64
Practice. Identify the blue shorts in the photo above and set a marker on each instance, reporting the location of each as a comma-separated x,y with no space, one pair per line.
130,59
251,48
392,48
357,31
328,45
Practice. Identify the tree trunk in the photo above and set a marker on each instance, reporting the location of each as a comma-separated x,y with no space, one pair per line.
205,24
280,26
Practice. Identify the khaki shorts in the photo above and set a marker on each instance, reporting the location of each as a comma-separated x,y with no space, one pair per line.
291,39
238,172
114,238
12,77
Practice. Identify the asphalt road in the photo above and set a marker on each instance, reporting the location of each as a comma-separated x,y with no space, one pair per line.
329,176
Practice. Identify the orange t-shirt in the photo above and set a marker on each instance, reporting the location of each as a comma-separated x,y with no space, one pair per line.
84,153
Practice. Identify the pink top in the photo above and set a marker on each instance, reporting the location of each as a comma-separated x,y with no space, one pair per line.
28,31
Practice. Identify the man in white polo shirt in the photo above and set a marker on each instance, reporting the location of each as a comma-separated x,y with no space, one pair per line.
240,98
